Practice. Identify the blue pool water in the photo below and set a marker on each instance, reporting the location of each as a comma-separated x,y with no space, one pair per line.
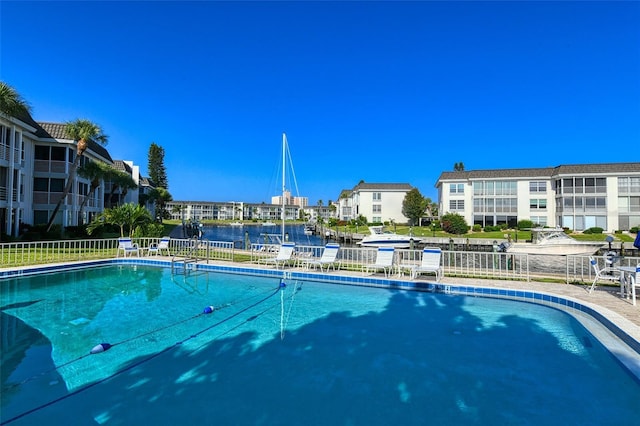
308,353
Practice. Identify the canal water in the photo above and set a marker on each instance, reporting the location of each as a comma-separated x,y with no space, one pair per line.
260,234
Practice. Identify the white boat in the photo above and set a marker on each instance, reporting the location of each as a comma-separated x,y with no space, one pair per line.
268,224
309,229
381,238
553,241
236,223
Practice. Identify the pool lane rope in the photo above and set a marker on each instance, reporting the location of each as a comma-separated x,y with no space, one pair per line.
150,357
285,321
103,347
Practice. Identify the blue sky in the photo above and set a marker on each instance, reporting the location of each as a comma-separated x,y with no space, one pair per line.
393,92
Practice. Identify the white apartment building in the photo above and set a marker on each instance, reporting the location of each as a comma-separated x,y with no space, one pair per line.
35,158
378,202
573,196
17,136
230,210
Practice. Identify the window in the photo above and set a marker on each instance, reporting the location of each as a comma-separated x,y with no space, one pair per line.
629,185
538,204
377,208
567,184
57,185
377,196
489,188
41,152
539,220
41,184
456,188
623,204
489,203
57,153
538,187
456,204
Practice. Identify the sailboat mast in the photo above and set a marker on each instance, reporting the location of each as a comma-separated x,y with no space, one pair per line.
284,188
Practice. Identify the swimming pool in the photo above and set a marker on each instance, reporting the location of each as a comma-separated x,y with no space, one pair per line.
306,353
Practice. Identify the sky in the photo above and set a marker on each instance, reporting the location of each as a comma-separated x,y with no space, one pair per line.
381,92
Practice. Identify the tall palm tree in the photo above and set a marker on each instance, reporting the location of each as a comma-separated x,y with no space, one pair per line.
83,131
120,180
95,171
11,103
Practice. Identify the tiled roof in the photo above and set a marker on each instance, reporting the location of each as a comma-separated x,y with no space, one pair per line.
122,166
546,172
610,168
54,130
382,186
57,131
145,181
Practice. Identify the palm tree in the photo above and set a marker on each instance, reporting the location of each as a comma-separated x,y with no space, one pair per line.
11,103
95,171
127,215
83,131
119,180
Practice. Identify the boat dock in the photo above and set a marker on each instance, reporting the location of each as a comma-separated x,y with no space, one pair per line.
464,244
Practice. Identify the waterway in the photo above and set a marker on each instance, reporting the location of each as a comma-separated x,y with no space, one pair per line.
260,234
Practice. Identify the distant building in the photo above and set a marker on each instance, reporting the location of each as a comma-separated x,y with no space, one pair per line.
289,200
378,202
577,197
230,210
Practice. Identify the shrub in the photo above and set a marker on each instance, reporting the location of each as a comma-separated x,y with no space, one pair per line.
525,224
454,223
635,229
593,230
79,231
477,228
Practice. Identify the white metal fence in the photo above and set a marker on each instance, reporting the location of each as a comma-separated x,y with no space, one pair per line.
569,269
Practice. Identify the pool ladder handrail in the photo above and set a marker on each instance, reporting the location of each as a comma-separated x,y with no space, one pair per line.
189,256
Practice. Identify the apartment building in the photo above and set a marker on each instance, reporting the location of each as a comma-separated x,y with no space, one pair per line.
35,159
17,136
574,196
378,202
230,210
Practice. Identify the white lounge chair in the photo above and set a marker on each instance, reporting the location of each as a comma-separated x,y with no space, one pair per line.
602,274
431,257
160,247
127,247
384,261
328,258
285,253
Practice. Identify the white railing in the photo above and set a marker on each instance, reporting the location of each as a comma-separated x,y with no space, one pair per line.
490,265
